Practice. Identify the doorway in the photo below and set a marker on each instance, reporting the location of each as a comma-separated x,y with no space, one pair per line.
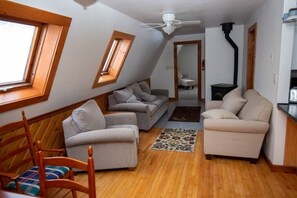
195,74
250,71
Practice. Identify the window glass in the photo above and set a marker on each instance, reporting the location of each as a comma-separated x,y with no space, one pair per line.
16,42
110,56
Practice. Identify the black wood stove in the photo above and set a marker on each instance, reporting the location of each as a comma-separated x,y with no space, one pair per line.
219,90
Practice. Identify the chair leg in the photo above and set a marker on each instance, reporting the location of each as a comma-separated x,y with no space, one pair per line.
253,160
208,157
71,177
131,168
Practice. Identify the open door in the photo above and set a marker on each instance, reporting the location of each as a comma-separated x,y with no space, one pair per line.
250,71
198,43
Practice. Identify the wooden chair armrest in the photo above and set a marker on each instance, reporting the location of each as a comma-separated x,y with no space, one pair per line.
12,176
61,151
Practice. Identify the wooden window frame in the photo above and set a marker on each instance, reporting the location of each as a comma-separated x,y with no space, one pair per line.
47,55
116,62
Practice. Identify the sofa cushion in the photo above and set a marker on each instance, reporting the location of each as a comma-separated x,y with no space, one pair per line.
219,114
136,90
256,108
145,87
122,95
153,108
140,94
89,117
233,101
125,95
147,97
133,99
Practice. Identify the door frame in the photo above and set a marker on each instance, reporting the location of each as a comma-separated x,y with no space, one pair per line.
175,44
251,56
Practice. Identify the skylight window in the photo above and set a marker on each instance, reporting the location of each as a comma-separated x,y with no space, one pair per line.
114,58
17,45
31,43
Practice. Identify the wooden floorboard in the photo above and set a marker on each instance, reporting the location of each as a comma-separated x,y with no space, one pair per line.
177,174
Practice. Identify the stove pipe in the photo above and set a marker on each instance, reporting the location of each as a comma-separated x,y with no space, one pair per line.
227,27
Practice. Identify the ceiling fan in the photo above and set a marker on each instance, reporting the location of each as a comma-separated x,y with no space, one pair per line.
170,23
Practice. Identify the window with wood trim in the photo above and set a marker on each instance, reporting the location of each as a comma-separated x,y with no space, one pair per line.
32,41
18,39
114,58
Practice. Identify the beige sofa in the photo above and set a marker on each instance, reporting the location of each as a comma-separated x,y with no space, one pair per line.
239,135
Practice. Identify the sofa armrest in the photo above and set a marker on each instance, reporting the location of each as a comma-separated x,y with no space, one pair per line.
213,104
240,126
101,136
120,118
131,107
162,92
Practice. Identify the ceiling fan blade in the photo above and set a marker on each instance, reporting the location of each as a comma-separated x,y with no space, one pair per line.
195,22
151,24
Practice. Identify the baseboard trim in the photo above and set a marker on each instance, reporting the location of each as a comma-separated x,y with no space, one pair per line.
279,168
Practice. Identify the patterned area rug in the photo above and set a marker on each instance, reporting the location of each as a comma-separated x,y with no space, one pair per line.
182,140
185,114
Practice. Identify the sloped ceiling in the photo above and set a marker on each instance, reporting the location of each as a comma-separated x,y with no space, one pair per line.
211,12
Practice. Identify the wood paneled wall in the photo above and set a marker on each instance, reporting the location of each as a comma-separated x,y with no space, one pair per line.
47,128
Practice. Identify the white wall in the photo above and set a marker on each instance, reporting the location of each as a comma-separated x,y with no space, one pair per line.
273,58
187,61
163,74
219,57
88,36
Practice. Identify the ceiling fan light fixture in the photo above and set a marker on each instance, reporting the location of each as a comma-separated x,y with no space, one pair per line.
168,29
85,3
168,17
170,23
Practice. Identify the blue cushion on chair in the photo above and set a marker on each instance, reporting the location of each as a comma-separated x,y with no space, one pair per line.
29,181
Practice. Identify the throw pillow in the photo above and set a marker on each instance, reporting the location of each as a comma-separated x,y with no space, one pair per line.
89,117
145,87
233,101
136,90
219,114
133,99
122,95
147,97
125,96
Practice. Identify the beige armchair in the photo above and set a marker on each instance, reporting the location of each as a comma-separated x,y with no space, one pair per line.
114,137
239,135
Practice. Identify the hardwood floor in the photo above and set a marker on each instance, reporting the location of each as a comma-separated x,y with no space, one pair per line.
177,174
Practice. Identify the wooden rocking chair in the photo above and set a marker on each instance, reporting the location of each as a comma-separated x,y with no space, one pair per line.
18,170
46,184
